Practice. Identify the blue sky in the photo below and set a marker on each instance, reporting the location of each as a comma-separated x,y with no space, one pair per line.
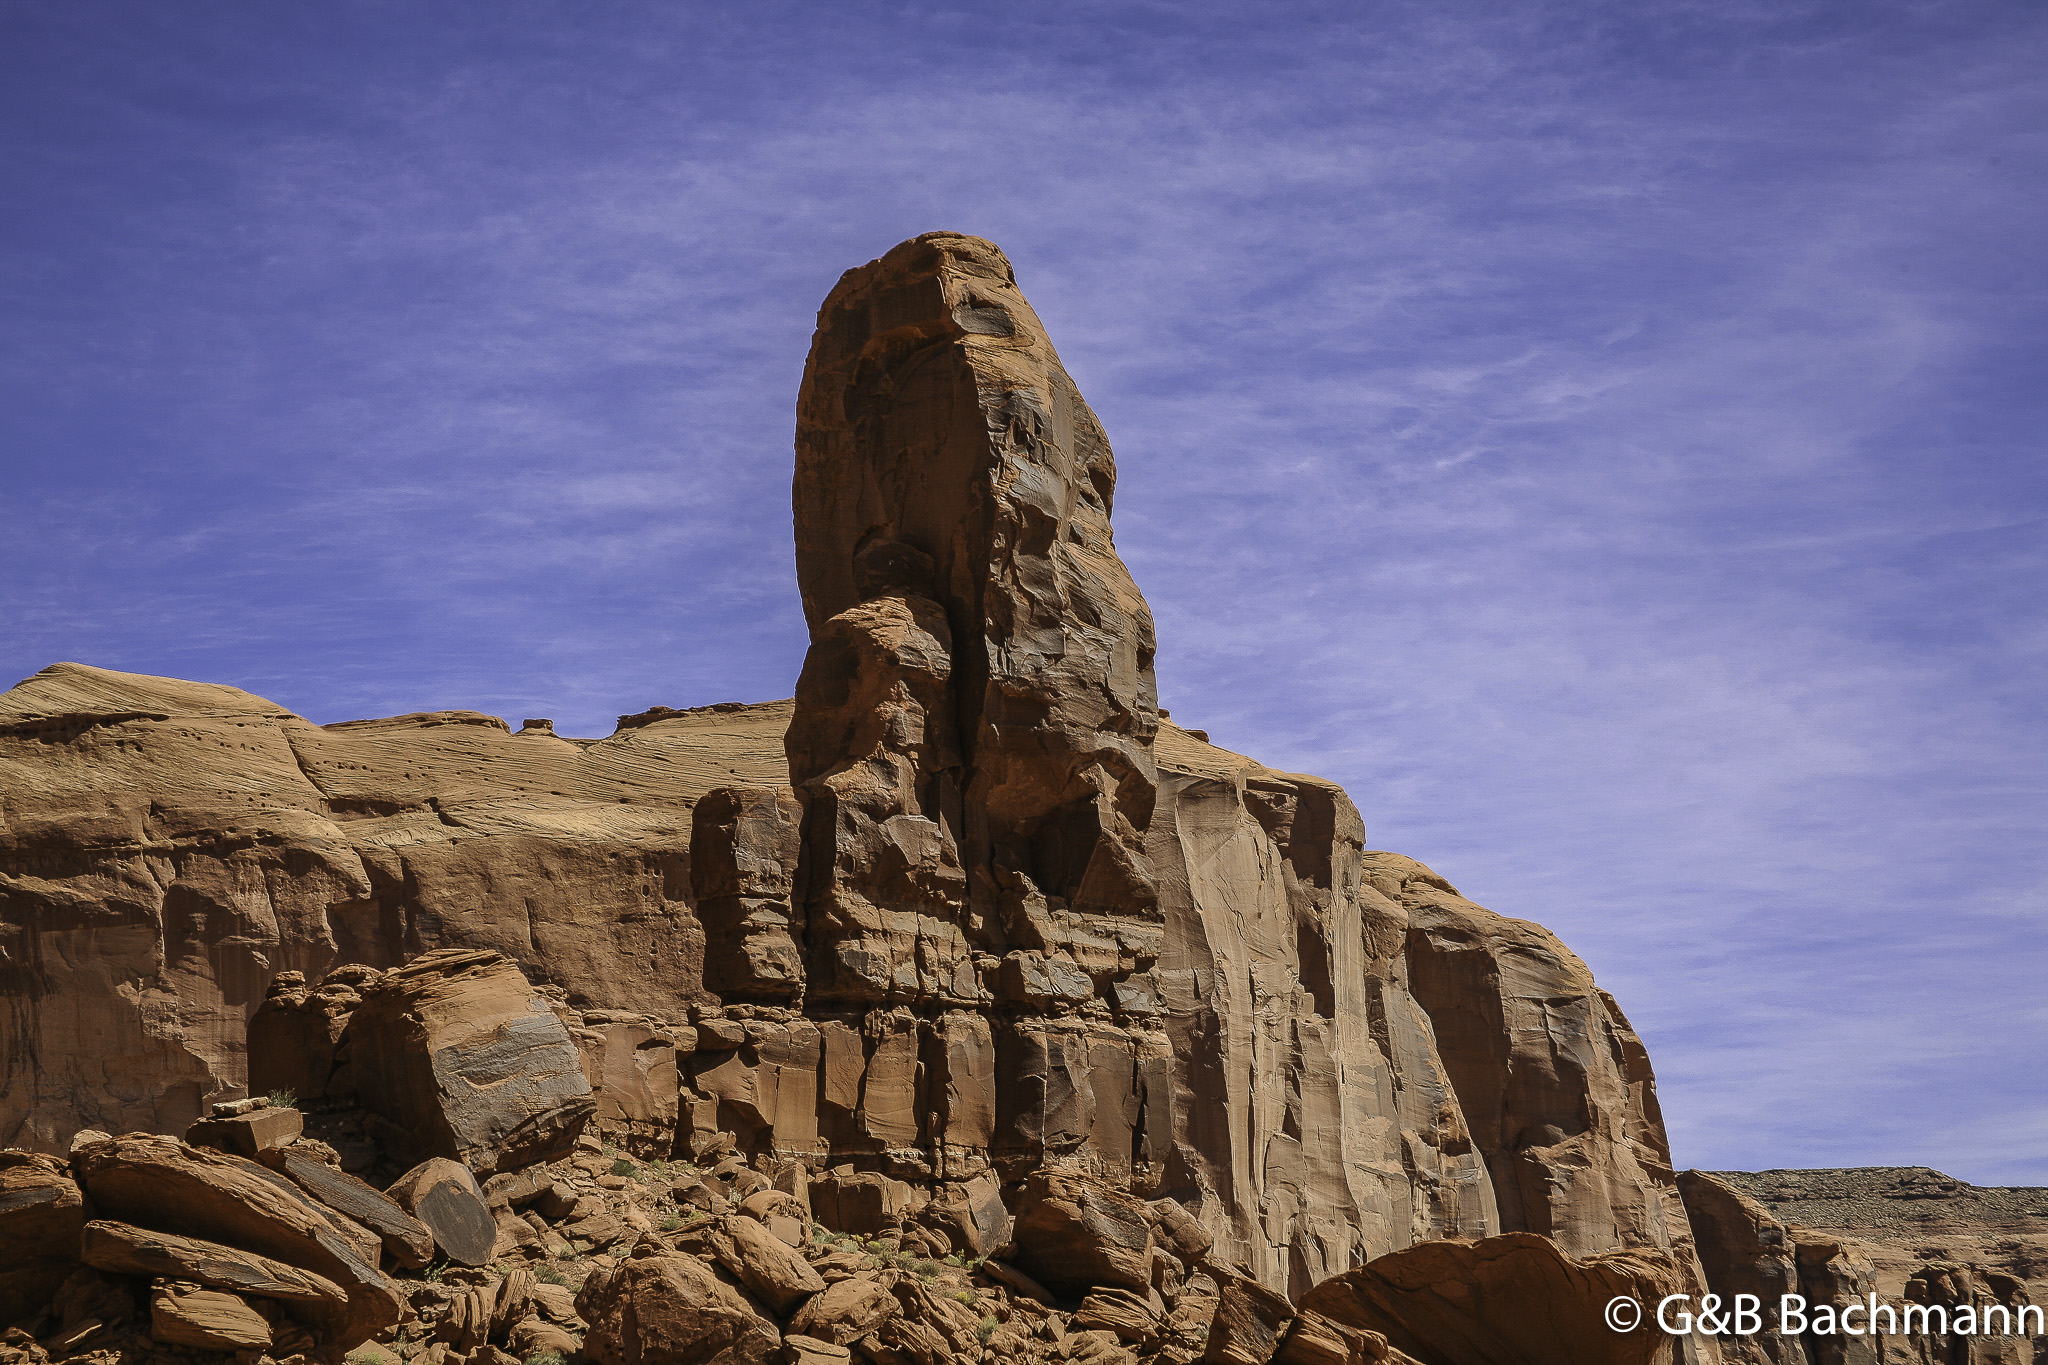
1606,437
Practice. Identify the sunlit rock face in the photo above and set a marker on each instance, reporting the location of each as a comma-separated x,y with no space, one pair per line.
965,909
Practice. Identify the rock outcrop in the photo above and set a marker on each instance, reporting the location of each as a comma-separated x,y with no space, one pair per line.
1514,1299
967,947
168,849
1908,1235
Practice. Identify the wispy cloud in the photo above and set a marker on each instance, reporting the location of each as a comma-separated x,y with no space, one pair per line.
1606,440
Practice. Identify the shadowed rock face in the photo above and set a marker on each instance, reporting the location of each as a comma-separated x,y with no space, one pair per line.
964,910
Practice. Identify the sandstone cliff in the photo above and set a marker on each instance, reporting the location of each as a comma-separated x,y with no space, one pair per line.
965,910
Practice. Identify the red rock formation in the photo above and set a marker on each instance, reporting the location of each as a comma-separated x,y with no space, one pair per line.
1508,1300
965,911
168,848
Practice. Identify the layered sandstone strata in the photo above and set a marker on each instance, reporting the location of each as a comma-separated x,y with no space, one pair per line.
964,910
168,848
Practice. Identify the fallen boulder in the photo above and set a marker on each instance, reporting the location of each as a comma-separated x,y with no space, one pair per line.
776,1273
845,1312
1514,1299
206,1319
672,1310
408,1241
1075,1233
159,1183
125,1249
1248,1325
458,1056
41,1213
445,1198
863,1202
248,1134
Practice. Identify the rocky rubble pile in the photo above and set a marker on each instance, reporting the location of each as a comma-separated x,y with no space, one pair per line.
147,1249
544,1240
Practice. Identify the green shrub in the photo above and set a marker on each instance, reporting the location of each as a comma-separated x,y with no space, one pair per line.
546,1358
986,1329
965,1296
547,1274
624,1167
283,1099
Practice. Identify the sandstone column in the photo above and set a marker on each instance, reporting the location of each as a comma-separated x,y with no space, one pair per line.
973,738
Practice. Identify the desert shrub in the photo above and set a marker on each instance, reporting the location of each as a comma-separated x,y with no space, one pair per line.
985,1329
283,1099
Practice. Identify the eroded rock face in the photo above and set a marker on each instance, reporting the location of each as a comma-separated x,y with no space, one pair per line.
1174,968
461,1058
1555,1087
953,495
168,848
1514,1299
964,911
1915,1238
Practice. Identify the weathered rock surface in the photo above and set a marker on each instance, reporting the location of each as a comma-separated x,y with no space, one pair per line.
461,1058
672,1310
951,480
251,1134
444,1198
966,948
1514,1299
1909,1235
406,1239
124,1249
167,848
159,1184
1077,1233
41,1215
207,1319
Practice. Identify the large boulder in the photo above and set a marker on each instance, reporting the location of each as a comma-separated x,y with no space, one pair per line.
206,1319
406,1239
41,1213
1249,1323
295,1032
777,1274
1514,1299
442,1196
846,1311
672,1310
124,1249
1074,1233
461,1058
163,1185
